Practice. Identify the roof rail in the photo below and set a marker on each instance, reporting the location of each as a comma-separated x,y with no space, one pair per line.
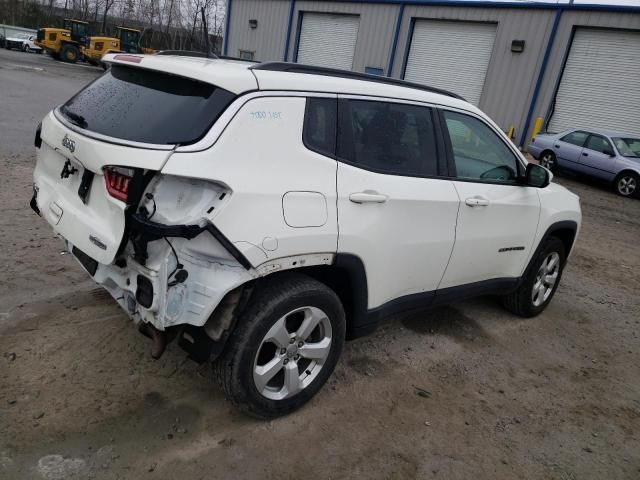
334,72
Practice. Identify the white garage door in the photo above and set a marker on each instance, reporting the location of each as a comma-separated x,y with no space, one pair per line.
451,55
328,40
600,86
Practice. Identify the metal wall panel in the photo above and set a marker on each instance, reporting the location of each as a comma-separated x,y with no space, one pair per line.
511,77
375,34
568,23
267,41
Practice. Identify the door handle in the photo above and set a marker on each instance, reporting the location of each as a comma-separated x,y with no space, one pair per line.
557,146
584,154
477,202
368,196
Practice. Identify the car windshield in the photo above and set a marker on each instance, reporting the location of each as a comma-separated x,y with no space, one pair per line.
628,147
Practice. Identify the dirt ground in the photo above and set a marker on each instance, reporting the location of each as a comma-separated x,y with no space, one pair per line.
467,391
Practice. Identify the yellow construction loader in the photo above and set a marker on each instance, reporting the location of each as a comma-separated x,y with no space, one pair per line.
64,43
126,40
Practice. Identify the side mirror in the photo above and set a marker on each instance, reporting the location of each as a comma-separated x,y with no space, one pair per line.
537,176
609,152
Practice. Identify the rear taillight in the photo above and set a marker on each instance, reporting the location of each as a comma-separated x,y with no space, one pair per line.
38,140
118,181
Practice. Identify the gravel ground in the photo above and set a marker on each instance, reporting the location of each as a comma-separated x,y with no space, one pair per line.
467,391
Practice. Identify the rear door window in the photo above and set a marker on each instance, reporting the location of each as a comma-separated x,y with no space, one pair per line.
147,106
387,137
575,138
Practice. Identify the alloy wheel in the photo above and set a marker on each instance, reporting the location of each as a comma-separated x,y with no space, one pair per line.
627,185
292,353
547,161
546,279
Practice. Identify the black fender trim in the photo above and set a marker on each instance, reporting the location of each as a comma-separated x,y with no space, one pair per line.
144,231
562,225
359,323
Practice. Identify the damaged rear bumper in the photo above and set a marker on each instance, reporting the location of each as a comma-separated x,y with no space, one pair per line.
170,275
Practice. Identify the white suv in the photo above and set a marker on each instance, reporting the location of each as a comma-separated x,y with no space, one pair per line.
262,213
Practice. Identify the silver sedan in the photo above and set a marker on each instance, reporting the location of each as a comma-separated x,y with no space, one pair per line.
610,156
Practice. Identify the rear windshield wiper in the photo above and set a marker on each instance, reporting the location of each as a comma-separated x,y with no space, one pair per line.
75,118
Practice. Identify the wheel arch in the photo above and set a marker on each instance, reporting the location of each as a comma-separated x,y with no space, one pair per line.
547,150
565,230
626,171
347,277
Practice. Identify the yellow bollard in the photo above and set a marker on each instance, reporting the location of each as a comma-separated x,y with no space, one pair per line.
512,131
536,128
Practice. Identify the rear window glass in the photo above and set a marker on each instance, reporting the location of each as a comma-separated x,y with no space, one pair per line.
147,106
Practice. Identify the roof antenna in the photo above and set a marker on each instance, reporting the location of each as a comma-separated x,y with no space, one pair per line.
206,32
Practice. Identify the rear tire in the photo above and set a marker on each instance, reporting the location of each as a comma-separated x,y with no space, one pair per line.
539,282
285,347
627,184
70,53
548,160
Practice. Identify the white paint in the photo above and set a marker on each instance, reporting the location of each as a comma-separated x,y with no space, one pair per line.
510,219
404,242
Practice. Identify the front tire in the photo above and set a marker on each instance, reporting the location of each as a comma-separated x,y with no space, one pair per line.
627,184
285,347
539,282
70,53
548,160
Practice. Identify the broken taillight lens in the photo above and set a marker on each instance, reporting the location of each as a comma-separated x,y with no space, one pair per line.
118,181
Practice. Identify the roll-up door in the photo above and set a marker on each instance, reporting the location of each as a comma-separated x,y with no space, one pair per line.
328,40
451,55
600,85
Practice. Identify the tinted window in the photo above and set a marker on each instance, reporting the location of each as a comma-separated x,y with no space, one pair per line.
575,138
478,152
387,137
147,106
599,144
319,133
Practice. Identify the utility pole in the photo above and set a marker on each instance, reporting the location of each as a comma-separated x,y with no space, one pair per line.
205,27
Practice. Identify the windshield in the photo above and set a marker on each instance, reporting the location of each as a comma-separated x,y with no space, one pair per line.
628,147
147,106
